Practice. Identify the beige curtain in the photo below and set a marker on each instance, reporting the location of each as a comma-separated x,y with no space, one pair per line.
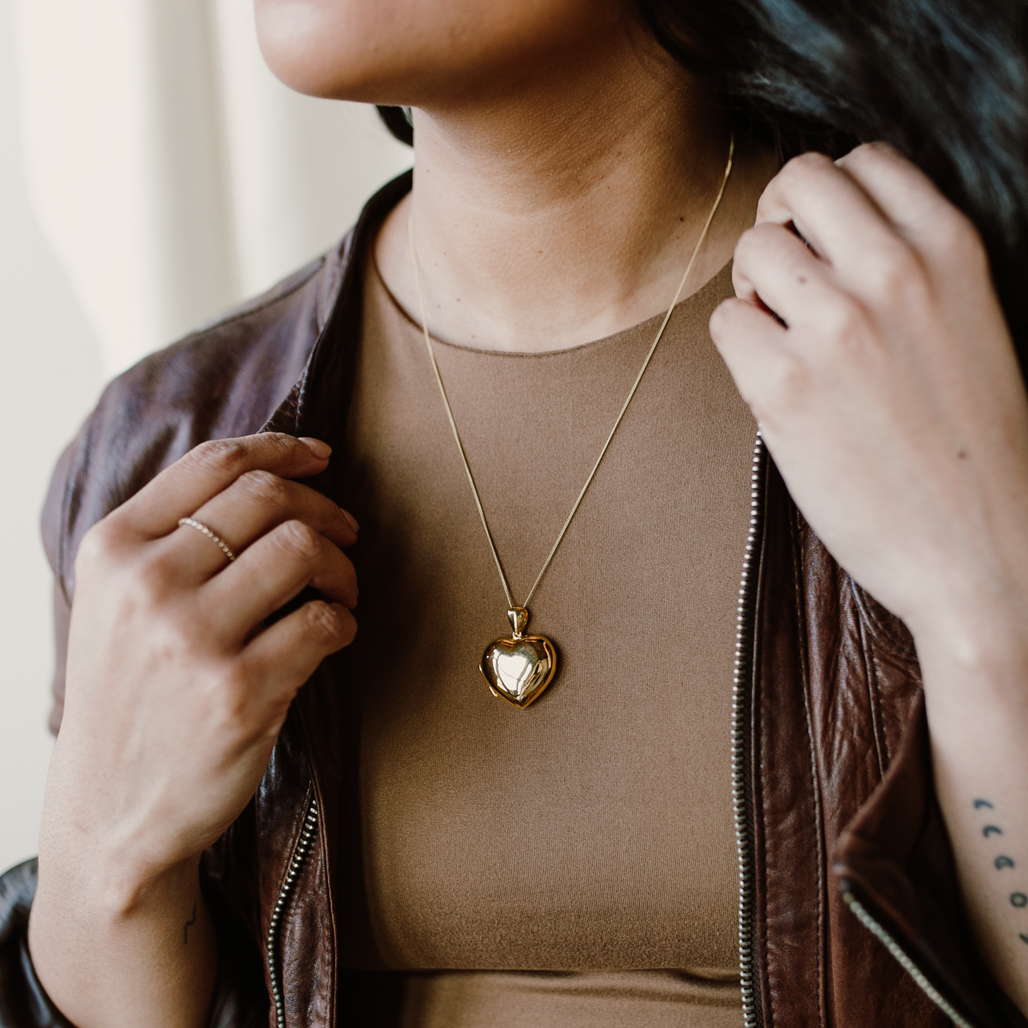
171,173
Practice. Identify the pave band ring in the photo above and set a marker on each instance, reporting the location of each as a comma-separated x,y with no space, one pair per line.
201,527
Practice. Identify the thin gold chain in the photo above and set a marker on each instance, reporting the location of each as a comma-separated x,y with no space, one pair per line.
617,423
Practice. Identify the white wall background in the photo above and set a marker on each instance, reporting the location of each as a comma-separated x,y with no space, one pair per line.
49,375
152,172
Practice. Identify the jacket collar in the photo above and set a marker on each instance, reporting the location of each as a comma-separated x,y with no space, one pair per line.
319,402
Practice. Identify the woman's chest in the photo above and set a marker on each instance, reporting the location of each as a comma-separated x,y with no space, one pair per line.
592,829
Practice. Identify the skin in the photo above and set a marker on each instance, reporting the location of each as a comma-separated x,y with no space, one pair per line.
563,170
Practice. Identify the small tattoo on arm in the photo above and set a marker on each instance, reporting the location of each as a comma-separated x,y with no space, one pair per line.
187,925
1001,862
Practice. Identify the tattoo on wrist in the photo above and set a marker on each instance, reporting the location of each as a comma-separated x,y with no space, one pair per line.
187,925
1001,862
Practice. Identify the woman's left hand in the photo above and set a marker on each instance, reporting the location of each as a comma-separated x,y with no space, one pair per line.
869,342
891,397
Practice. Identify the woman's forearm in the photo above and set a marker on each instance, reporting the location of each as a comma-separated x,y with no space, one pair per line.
116,954
977,706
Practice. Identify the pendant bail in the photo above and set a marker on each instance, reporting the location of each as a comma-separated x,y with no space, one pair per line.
518,617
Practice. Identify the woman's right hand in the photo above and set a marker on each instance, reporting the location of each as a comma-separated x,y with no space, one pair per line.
175,693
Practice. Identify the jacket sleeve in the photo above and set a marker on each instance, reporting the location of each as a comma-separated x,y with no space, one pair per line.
23,1003
50,530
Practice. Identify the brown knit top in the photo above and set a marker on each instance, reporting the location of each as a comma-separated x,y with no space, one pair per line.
591,832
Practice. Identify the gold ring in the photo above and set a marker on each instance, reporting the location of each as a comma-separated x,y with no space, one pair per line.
201,527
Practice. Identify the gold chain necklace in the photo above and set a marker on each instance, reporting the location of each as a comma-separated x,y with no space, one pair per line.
520,668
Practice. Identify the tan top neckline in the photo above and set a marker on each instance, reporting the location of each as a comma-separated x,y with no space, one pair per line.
682,308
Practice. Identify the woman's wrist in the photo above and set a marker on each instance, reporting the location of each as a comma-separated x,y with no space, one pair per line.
971,608
94,933
108,868
974,650
104,887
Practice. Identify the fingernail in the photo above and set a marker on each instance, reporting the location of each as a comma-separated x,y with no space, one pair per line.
351,519
317,447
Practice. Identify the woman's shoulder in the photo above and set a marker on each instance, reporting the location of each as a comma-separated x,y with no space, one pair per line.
233,371
227,378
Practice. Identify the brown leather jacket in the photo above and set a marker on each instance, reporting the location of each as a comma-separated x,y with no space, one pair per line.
849,909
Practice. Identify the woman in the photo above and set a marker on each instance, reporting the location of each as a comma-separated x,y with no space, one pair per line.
572,160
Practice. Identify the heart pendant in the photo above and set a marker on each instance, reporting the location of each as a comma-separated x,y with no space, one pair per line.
519,669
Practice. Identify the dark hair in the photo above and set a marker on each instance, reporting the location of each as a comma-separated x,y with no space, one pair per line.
397,120
945,81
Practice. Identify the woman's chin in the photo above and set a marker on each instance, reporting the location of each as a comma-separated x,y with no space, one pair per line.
420,52
338,51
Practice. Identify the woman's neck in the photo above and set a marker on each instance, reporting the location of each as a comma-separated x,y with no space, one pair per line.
566,210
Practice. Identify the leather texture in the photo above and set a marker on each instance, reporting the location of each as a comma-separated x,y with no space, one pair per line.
22,999
838,786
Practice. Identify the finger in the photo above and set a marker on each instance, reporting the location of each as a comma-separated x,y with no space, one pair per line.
772,266
907,197
207,469
281,658
752,344
834,214
274,570
250,507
